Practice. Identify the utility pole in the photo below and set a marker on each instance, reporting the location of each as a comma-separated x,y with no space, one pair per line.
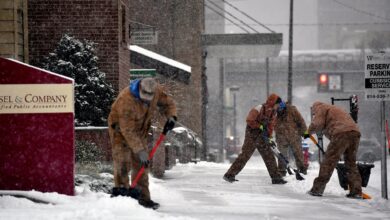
267,75
290,47
234,90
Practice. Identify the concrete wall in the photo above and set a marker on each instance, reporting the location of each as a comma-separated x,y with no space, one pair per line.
13,29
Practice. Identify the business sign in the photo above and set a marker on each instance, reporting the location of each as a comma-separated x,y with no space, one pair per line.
144,37
37,129
377,77
36,98
142,73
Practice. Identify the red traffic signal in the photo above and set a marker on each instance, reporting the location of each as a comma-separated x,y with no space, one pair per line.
322,82
323,78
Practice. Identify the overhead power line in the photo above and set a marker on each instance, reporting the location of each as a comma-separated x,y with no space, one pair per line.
328,24
222,15
361,11
231,15
248,16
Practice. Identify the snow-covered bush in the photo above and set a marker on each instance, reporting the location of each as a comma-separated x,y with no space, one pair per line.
88,152
93,95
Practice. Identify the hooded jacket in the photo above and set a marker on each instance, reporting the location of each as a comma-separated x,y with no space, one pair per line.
289,125
331,120
263,115
132,117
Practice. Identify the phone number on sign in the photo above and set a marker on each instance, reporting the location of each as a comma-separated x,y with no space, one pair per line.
378,96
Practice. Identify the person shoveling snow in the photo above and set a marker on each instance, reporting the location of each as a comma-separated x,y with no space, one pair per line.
344,135
129,122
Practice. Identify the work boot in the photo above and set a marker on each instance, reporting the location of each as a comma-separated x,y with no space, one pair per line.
303,170
150,204
119,191
354,196
230,178
283,173
279,181
312,193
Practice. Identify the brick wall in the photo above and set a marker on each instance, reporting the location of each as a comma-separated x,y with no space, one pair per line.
95,20
179,24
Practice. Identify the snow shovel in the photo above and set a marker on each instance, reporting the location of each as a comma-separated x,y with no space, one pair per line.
364,195
283,158
316,143
134,192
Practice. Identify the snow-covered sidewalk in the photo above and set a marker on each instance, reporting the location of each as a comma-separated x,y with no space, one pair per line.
197,191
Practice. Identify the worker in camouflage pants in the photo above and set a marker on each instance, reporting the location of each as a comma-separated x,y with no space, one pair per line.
344,135
260,121
289,129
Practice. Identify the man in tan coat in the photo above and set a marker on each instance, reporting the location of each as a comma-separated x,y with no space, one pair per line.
260,124
289,129
344,135
129,122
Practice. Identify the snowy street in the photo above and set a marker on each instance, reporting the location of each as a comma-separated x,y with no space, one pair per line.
206,196
197,191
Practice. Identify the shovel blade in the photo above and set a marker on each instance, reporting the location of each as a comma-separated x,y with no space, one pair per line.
135,193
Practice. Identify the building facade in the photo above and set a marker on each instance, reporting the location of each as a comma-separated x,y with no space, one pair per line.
104,22
13,29
350,24
179,25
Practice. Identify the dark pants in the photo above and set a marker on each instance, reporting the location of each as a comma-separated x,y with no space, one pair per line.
346,143
296,146
253,140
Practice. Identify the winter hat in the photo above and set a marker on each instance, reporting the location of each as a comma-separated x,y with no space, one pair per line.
272,100
147,89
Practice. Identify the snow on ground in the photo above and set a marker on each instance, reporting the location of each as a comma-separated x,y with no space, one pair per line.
197,191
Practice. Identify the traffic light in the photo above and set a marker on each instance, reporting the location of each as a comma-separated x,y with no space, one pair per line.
323,82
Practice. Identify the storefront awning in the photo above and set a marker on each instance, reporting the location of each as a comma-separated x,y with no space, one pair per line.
163,65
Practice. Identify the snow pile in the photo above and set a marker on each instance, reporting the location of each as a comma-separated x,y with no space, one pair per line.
86,204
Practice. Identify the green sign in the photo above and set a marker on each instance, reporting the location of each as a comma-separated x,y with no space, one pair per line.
142,73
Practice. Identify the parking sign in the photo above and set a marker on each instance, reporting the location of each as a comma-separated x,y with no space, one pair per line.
377,77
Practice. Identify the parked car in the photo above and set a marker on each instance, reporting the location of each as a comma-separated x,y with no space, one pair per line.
369,150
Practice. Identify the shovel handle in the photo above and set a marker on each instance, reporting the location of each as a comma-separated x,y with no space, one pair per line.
142,170
316,143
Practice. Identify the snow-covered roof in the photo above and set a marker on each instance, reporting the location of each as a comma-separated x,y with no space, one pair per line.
163,65
159,57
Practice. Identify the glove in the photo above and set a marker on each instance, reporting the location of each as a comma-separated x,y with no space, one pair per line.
261,127
169,124
143,158
306,135
270,142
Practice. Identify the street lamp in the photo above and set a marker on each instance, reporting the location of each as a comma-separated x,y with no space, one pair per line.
233,90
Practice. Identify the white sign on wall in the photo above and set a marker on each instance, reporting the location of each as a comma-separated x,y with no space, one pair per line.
377,77
334,82
144,37
36,98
